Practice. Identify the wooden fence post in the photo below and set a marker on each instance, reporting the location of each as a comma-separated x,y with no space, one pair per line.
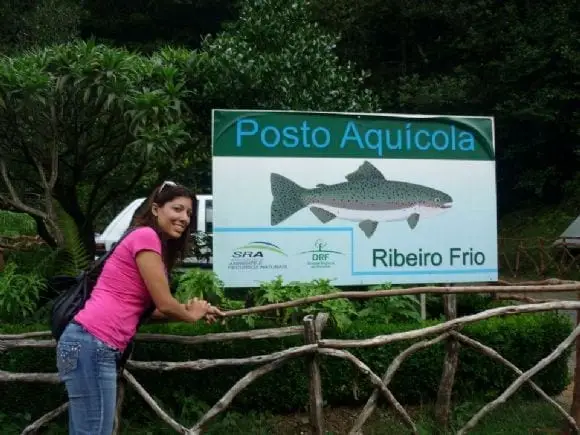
313,327
121,390
121,387
575,407
443,406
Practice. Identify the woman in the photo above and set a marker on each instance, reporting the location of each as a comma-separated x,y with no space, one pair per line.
133,280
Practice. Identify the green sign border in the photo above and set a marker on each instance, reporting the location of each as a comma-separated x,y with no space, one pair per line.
224,134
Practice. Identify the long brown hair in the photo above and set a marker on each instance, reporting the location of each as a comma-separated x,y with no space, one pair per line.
174,250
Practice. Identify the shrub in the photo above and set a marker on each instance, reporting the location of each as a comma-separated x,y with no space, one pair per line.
466,304
205,284
32,260
16,224
522,339
19,293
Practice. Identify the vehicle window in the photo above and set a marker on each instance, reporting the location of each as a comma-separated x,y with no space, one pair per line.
209,216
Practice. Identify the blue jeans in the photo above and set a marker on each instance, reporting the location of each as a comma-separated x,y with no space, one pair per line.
88,368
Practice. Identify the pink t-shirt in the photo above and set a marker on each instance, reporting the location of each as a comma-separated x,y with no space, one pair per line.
120,296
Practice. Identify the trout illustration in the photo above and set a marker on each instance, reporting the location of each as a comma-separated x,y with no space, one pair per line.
367,197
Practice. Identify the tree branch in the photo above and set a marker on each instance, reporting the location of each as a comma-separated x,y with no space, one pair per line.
35,426
255,334
574,286
445,326
203,364
15,199
492,353
53,166
375,380
525,377
239,386
15,344
152,403
49,378
98,178
387,377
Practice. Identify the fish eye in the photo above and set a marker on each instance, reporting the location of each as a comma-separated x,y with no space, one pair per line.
437,200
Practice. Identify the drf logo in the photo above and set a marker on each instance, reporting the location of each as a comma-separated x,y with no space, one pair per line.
320,256
319,253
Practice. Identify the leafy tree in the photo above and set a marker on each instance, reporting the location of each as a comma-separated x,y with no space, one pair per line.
146,25
275,56
92,125
515,60
81,123
25,24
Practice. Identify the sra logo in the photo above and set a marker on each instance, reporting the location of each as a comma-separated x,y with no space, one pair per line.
257,255
257,250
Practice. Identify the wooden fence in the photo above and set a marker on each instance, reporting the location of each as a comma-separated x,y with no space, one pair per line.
536,256
315,345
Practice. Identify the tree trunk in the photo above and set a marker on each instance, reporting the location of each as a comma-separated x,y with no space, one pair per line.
69,202
43,232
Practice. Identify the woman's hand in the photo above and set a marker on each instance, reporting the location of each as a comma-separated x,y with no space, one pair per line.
210,312
198,308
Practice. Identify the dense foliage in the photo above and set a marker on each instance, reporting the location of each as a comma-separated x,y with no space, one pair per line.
515,60
518,61
31,23
89,125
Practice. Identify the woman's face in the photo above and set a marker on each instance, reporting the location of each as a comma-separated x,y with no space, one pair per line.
174,216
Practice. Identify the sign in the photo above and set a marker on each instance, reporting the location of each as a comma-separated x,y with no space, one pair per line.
356,198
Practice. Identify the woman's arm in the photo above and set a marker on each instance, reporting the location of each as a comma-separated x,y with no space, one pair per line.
152,270
158,316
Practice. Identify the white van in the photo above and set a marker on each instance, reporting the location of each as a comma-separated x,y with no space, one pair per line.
121,222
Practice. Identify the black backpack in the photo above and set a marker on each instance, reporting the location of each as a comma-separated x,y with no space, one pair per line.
73,293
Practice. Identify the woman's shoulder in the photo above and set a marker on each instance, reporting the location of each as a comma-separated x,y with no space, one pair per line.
144,235
144,231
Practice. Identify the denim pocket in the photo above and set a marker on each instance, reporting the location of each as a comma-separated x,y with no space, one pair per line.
106,354
67,357
107,363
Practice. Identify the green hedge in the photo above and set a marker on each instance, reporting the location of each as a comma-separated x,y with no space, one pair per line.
523,339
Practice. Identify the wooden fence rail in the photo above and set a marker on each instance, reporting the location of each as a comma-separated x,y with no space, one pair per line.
315,345
537,256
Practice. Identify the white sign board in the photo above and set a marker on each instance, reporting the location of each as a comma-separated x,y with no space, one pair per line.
356,198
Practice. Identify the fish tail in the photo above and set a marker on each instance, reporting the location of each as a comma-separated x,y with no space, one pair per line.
286,198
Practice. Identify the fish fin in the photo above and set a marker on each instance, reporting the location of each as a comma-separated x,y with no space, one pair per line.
323,215
366,171
368,227
286,198
413,220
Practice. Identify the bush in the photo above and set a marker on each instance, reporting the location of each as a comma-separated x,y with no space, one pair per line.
522,339
467,304
36,259
19,293
16,224
205,284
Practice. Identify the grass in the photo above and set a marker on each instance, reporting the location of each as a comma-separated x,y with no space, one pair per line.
513,418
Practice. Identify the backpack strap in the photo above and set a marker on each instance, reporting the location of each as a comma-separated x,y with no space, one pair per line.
101,260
